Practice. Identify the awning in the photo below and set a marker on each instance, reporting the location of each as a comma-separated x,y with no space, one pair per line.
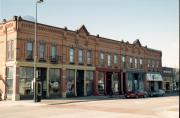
154,77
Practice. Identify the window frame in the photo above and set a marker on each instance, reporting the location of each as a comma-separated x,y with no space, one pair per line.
29,56
135,63
10,50
141,63
123,58
72,55
42,51
89,57
109,59
102,58
53,52
131,62
115,59
80,56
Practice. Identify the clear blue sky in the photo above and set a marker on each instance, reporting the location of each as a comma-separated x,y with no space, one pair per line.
154,22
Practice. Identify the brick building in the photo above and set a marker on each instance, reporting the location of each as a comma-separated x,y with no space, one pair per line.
170,79
72,63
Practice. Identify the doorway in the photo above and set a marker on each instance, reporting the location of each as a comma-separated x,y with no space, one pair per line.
124,83
80,83
42,79
109,83
136,82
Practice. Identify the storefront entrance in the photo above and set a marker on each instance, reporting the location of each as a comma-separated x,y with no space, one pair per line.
135,81
80,83
124,82
42,79
109,83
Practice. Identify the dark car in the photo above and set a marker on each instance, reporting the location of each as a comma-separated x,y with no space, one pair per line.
136,94
158,92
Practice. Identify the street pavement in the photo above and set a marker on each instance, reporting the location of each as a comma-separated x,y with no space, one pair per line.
93,107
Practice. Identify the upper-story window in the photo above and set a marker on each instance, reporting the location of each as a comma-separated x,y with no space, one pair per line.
115,59
53,52
124,61
80,56
71,51
135,62
157,64
141,63
89,56
149,63
10,50
42,51
152,63
102,58
109,59
130,61
29,50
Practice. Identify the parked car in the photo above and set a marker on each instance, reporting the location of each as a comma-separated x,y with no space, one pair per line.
141,93
136,94
158,92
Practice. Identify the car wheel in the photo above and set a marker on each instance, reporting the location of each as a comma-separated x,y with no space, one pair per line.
136,96
145,96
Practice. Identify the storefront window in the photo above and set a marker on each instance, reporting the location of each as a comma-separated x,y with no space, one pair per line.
115,83
54,81
9,80
89,82
130,81
25,81
141,82
101,83
70,83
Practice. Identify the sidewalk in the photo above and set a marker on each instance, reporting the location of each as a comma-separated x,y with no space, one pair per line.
79,99
19,103
58,101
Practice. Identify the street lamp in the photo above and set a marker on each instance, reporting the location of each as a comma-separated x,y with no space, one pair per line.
35,54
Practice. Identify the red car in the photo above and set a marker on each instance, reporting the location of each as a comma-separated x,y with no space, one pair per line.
136,94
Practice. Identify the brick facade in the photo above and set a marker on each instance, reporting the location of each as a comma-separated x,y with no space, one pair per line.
22,32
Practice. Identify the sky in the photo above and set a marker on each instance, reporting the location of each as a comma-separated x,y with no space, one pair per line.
154,22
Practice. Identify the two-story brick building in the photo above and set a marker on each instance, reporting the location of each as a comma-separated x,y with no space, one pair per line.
72,63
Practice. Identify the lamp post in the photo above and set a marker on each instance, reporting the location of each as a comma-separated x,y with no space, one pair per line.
35,54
